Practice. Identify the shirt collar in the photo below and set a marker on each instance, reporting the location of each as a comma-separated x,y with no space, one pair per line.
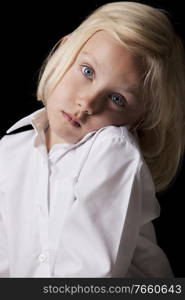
37,119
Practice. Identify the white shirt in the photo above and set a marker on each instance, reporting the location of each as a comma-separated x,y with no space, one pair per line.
81,210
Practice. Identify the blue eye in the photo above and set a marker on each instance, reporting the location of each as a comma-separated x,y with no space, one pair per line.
88,72
118,99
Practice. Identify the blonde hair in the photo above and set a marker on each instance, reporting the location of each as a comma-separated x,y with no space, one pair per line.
148,33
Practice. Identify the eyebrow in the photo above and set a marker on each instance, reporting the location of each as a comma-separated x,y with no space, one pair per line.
91,56
132,89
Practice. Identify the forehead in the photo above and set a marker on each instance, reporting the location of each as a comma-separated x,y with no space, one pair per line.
110,55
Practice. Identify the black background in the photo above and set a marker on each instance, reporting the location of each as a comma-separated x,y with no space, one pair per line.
30,30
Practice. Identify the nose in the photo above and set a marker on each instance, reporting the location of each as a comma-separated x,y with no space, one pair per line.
85,106
89,104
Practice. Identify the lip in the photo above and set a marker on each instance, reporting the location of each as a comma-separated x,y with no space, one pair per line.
71,119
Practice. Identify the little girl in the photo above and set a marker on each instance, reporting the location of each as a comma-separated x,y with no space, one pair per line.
77,191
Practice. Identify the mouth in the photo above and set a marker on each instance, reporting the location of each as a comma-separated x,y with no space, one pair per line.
71,119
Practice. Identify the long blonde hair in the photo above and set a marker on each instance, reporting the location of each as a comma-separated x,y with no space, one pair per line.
148,33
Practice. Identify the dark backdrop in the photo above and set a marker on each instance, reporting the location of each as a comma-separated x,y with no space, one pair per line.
29,32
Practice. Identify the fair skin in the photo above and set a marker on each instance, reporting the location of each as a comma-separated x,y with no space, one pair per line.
99,89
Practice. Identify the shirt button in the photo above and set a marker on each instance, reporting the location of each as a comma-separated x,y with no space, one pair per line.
43,257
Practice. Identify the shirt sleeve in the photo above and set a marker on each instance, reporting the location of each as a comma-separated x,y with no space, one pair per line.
144,258
149,260
4,265
116,187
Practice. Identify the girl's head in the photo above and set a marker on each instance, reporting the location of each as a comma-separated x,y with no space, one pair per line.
123,65
100,88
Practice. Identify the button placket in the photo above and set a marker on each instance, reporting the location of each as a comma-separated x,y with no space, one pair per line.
42,204
43,257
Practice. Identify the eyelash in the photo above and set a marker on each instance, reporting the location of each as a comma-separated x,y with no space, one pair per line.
85,66
113,94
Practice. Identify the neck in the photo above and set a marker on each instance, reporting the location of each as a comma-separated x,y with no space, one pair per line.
48,139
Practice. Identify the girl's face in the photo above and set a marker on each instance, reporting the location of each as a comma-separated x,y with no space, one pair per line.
99,89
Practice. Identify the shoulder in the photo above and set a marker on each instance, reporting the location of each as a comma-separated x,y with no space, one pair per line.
15,149
115,133
116,143
116,157
22,131
15,142
115,150
112,150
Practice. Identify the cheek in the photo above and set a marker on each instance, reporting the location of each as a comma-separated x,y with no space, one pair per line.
72,78
53,101
68,88
106,118
137,110
132,114
59,96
